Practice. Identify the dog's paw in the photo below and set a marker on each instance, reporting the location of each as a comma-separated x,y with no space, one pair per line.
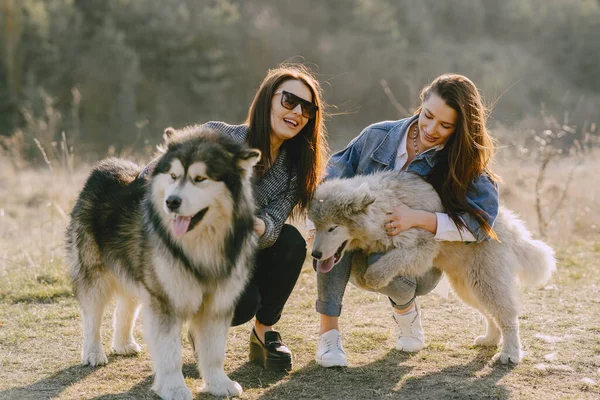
376,278
127,349
171,387
94,359
487,341
175,393
223,387
506,358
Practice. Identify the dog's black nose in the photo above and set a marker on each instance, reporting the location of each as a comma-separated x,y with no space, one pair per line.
316,254
173,202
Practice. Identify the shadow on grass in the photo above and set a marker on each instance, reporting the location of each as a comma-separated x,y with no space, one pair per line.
143,390
140,391
253,376
248,375
50,387
388,377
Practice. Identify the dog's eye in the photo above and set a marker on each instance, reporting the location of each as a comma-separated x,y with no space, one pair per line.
173,176
331,229
199,179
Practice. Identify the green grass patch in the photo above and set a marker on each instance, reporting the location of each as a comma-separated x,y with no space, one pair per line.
44,284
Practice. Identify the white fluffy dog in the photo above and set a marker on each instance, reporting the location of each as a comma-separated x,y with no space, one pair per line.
349,214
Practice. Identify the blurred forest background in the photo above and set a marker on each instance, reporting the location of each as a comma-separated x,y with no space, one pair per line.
114,73
83,79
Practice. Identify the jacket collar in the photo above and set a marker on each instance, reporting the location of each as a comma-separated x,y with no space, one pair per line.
431,155
386,152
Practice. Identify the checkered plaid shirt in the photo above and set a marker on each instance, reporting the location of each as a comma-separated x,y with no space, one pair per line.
275,194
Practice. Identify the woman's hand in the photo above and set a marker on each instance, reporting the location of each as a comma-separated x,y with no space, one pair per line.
403,217
259,226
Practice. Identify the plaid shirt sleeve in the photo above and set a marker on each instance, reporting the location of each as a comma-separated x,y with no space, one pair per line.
277,211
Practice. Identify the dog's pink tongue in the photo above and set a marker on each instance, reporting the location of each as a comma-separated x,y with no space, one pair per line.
180,225
325,265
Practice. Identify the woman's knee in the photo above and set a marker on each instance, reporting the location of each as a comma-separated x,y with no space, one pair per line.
401,291
428,281
247,305
292,237
292,244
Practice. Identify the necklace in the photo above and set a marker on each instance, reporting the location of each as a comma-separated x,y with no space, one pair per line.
414,138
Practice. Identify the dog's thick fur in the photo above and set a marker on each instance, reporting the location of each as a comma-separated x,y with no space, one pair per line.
350,213
178,240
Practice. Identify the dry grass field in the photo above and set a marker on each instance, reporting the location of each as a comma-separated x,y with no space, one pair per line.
40,332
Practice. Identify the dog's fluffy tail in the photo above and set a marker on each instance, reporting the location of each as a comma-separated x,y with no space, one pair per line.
537,263
534,258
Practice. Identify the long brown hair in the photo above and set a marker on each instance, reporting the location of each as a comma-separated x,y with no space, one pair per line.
467,153
307,151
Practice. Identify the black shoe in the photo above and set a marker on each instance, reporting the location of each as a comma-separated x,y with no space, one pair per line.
272,355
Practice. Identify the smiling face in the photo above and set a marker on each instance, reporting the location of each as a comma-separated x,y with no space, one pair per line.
285,124
437,121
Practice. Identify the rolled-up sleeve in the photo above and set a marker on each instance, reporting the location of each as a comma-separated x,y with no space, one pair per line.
448,231
277,211
482,196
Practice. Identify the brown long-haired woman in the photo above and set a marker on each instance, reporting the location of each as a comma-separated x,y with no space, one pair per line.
447,143
285,122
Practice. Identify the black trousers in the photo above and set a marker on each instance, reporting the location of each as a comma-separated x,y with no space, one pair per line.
275,275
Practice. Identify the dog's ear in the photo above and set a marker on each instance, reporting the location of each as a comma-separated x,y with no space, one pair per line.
366,198
247,159
168,134
363,199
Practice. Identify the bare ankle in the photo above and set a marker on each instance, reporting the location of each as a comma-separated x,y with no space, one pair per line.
260,330
328,323
405,310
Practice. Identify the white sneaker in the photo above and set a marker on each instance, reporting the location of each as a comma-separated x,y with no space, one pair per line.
409,331
330,352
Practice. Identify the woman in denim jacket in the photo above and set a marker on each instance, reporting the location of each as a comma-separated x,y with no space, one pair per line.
447,143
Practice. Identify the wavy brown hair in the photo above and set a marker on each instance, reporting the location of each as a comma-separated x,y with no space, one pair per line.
307,151
467,153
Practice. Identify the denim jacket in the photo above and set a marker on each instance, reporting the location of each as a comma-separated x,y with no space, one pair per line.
375,150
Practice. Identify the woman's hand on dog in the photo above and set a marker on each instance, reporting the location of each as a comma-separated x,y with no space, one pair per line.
403,217
400,219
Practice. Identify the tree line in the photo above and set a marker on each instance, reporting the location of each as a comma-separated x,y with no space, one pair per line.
117,72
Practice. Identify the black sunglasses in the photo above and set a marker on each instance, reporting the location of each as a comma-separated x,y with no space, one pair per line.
291,101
